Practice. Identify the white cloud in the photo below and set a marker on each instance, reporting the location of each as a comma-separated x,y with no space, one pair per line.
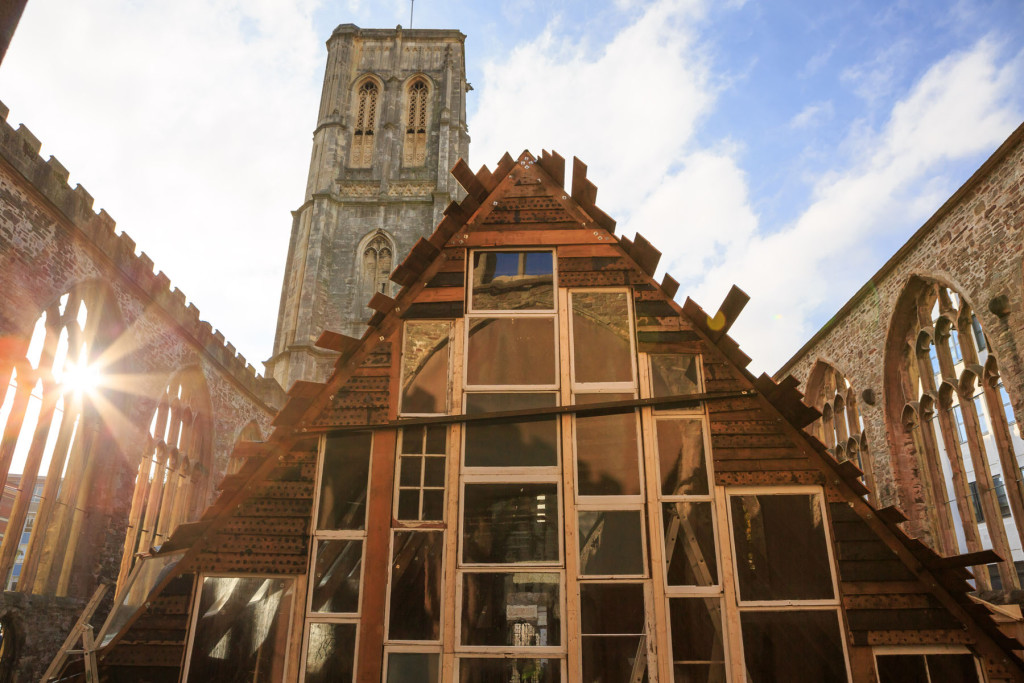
812,115
628,110
964,105
190,122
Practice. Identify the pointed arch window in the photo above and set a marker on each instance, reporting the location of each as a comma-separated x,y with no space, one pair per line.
53,400
968,468
840,427
365,124
174,472
415,152
378,255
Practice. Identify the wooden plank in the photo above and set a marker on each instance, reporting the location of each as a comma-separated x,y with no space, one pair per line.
745,427
888,601
259,525
863,550
723,452
146,655
794,478
874,570
552,235
773,465
209,561
604,249
737,442
901,619
264,545
432,295
882,587
919,637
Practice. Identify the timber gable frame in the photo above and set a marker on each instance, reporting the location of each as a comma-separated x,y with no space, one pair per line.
892,590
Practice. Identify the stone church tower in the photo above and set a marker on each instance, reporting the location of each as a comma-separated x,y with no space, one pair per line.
392,123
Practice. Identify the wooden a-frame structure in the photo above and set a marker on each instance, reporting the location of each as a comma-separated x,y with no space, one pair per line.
892,591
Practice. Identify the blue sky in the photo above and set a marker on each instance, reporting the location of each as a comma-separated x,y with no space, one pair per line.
786,147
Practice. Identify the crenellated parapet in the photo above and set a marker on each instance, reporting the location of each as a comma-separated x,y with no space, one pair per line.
20,148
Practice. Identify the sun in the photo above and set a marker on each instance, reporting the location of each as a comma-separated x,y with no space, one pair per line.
81,378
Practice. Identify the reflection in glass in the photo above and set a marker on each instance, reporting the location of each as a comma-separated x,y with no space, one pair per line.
331,653
698,653
533,443
145,575
674,374
600,331
513,280
690,556
611,542
511,351
414,667
336,579
511,609
614,645
607,454
425,367
242,630
480,670
771,639
415,612
505,523
681,458
344,480
780,548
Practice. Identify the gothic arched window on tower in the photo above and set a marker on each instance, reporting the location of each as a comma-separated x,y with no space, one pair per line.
415,152
377,260
366,122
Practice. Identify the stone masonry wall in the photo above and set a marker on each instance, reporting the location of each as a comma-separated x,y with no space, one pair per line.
51,241
973,244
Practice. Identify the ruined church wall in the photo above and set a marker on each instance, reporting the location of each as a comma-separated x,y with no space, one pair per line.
50,242
974,244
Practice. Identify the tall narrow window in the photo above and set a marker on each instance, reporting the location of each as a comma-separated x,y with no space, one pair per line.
365,123
377,258
415,152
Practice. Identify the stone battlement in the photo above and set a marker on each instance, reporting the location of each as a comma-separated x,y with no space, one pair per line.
20,148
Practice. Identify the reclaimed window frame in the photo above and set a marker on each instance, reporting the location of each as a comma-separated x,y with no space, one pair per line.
925,650
738,606
287,620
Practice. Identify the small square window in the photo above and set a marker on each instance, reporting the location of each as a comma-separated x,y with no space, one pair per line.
513,281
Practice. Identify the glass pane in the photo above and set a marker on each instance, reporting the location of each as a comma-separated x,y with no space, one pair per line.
614,658
698,653
511,610
513,280
505,670
532,443
433,472
511,351
414,667
343,484
901,669
611,543
612,608
242,630
780,548
145,575
331,653
690,554
409,470
681,458
409,504
600,331
337,576
416,585
437,439
425,367
433,506
673,374
793,646
952,668
607,450
510,523
412,440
